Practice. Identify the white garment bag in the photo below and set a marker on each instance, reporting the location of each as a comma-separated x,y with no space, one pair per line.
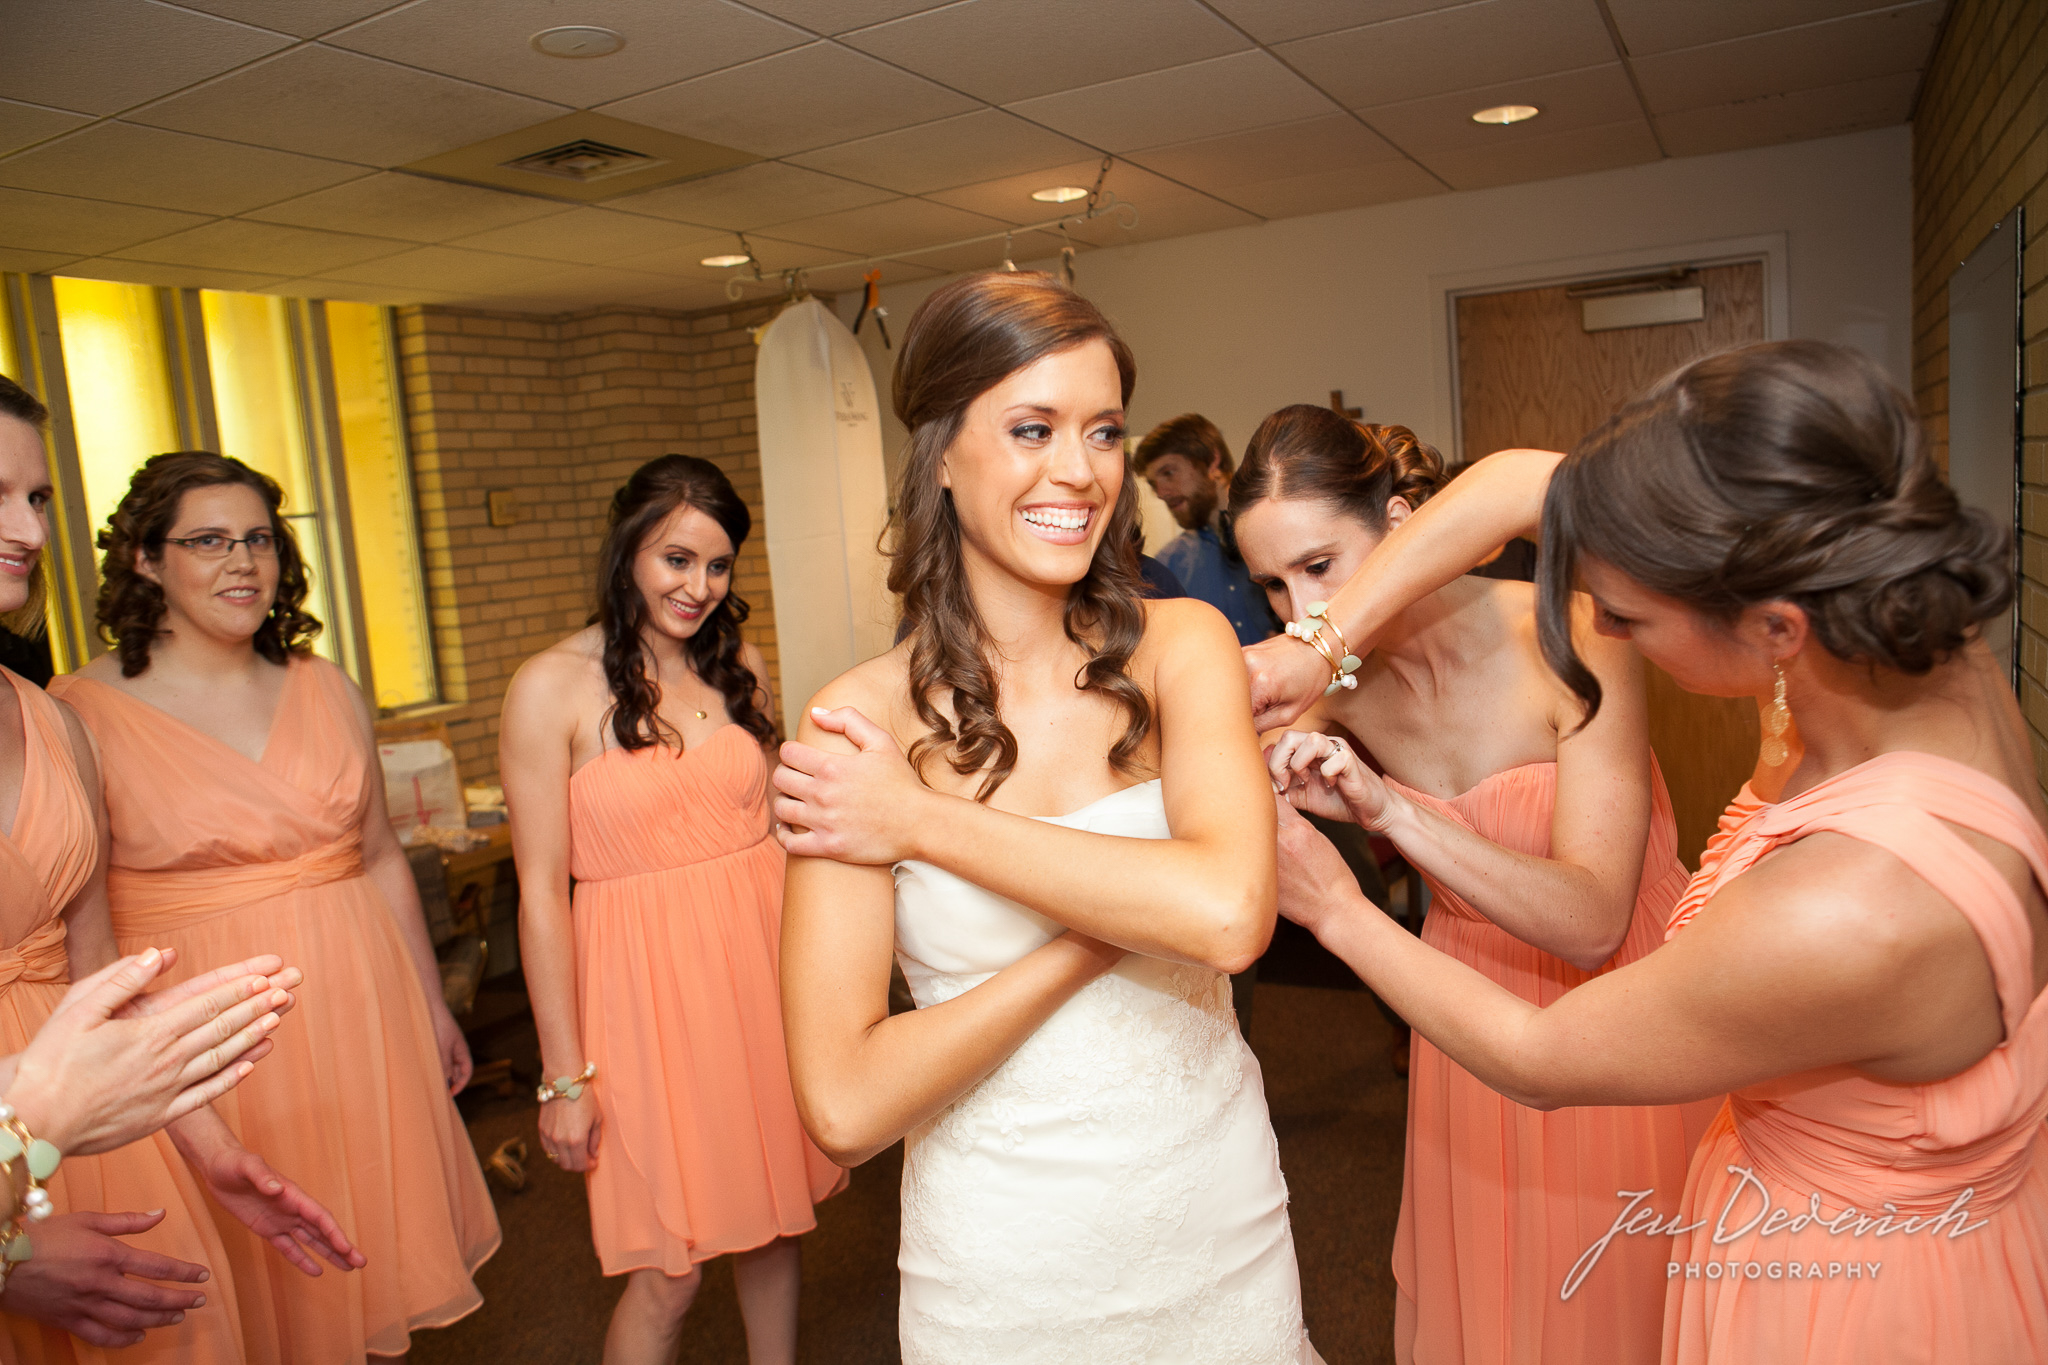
826,499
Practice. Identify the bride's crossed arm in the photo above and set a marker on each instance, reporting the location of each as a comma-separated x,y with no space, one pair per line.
864,1078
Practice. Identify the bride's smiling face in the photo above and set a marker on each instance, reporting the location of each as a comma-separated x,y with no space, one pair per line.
1037,465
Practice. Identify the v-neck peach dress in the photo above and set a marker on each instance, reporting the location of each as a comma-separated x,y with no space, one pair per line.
1931,1244
43,864
678,918
221,858
1498,1200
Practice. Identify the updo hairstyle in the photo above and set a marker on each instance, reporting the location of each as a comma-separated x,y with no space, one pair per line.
131,608
1788,470
1318,454
963,340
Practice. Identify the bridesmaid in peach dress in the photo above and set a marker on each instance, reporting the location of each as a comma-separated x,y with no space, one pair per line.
632,758
1860,963
1550,851
80,1291
247,811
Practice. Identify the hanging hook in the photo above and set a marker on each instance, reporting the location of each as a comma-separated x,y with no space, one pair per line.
1066,257
1008,264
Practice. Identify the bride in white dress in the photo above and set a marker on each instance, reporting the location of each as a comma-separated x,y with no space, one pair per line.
1077,849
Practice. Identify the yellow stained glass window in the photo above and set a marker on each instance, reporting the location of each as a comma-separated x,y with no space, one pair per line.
381,504
114,366
10,363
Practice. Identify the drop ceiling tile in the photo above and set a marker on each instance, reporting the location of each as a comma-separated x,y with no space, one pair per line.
687,298
83,227
1453,49
984,47
169,276
302,18
1877,102
765,192
35,262
325,102
1569,100
1889,42
388,295
841,16
1653,26
1544,158
490,41
168,170
24,124
1218,165
448,269
587,286
793,101
1202,99
887,227
683,257
946,152
267,248
410,207
1027,246
102,56
1276,21
1175,215
1351,187
1010,197
583,236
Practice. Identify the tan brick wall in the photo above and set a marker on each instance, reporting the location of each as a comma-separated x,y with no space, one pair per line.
1980,147
558,411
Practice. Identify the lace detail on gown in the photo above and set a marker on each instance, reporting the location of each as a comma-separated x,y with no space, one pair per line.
1110,1193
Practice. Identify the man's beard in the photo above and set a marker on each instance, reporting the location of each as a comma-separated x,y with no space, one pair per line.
1200,508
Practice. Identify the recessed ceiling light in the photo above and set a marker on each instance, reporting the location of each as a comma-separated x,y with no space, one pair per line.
1506,113
578,40
725,262
1059,194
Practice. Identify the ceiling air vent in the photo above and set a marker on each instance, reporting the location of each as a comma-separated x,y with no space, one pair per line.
583,158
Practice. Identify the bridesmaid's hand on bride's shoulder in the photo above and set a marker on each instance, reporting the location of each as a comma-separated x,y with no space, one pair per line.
862,807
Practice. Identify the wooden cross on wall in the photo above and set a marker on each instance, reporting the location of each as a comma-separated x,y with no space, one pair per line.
1337,405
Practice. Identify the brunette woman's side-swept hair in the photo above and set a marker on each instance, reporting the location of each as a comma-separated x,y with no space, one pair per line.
1788,470
130,608
1304,451
28,620
966,338
642,503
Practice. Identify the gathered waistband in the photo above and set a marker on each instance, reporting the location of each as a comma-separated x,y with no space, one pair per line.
768,839
147,902
39,957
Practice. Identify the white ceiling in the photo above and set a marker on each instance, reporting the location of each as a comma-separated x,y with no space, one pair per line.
248,144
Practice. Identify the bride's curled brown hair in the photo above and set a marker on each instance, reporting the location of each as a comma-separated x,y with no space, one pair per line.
641,505
966,338
1789,470
1303,451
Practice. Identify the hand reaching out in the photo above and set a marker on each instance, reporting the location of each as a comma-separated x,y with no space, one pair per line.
81,1279
1322,775
277,1210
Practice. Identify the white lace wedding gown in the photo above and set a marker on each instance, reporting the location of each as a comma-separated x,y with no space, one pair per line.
1111,1193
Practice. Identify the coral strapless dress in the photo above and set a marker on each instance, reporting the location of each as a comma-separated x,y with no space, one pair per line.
43,865
1860,1291
1499,1201
678,913
223,858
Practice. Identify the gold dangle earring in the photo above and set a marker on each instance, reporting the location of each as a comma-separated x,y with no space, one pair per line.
1777,719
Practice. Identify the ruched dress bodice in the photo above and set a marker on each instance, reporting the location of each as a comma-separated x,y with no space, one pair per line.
1498,1200
1971,1288
1111,1192
678,919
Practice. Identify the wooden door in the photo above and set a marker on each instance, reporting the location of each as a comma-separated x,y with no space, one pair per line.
1529,374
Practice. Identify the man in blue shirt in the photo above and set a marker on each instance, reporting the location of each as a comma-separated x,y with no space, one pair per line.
1189,467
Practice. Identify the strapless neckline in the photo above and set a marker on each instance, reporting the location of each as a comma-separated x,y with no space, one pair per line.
1079,811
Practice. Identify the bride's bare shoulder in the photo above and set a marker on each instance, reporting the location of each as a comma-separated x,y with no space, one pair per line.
879,689
1184,630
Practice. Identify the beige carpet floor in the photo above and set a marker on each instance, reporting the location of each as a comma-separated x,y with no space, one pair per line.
1337,1109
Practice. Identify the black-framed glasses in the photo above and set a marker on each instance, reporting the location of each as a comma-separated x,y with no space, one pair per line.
212,545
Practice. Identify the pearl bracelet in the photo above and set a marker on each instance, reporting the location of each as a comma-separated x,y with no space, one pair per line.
1343,663
566,1087
42,1158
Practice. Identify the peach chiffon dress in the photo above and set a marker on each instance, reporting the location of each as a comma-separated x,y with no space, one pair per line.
1499,1201
1871,1287
678,917
221,858
42,866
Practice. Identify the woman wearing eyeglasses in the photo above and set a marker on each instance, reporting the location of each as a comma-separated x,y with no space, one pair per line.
247,809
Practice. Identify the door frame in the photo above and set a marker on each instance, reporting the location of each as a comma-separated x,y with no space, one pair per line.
1772,249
